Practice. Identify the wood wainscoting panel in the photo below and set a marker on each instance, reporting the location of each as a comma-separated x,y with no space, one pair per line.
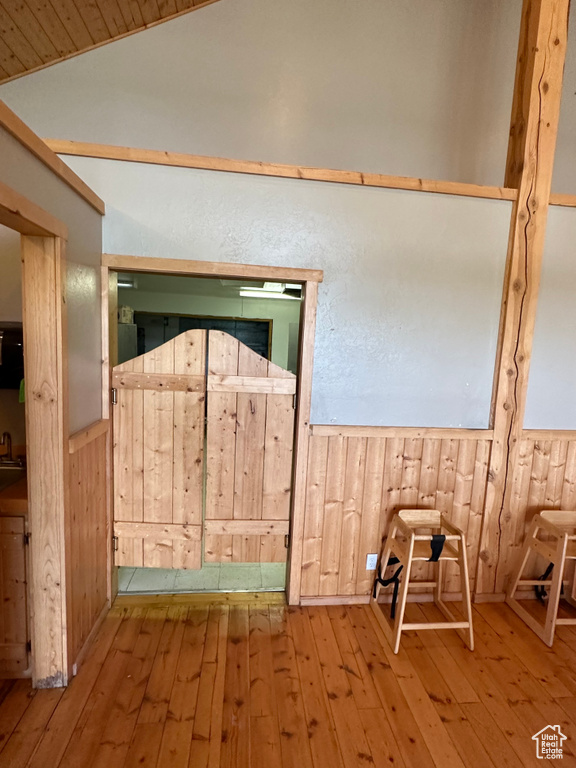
87,559
356,484
13,593
544,478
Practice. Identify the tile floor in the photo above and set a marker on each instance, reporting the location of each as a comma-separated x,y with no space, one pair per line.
212,577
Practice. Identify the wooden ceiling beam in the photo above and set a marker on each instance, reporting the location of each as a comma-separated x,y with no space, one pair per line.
538,90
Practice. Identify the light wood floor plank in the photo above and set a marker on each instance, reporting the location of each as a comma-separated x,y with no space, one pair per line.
264,732
125,706
321,727
236,709
294,742
19,696
179,725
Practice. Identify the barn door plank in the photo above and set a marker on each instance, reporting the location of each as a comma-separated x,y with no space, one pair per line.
249,475
220,445
278,456
188,474
158,457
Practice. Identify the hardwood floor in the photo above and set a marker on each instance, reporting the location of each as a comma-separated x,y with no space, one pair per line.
255,683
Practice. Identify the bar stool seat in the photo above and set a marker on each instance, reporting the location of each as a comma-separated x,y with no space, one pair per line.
424,535
559,527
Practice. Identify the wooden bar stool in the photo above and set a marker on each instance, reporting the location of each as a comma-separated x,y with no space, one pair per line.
560,529
424,535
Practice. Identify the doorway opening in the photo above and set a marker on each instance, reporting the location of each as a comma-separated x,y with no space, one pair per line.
258,321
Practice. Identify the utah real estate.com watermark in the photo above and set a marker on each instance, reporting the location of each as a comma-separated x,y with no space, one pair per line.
549,743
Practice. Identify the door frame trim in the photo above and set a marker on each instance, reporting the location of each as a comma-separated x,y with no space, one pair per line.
309,278
43,245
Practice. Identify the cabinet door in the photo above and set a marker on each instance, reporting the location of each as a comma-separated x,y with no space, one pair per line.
13,614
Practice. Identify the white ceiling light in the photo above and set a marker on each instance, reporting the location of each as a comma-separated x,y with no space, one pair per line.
257,294
267,288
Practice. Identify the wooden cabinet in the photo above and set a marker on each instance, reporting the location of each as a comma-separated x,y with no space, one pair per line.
14,624
14,654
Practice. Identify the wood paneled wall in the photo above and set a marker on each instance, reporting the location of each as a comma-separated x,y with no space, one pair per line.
544,478
87,556
359,477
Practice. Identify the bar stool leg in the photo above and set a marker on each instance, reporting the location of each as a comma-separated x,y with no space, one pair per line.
386,552
465,588
556,588
524,555
402,597
439,578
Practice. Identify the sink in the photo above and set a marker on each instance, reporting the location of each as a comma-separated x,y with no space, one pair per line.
10,475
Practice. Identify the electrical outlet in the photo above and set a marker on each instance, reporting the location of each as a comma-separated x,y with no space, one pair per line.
371,562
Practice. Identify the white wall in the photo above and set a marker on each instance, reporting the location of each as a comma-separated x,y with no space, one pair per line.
12,414
281,312
10,276
409,307
565,165
551,401
28,176
409,87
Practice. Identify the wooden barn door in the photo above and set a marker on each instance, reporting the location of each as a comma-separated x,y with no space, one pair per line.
161,420
159,454
249,444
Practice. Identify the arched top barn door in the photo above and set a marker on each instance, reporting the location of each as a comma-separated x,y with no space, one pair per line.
164,399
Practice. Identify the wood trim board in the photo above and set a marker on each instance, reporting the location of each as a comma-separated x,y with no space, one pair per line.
24,216
254,384
302,440
136,530
12,124
257,168
549,434
247,527
563,200
284,171
46,431
85,436
125,263
158,382
440,433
